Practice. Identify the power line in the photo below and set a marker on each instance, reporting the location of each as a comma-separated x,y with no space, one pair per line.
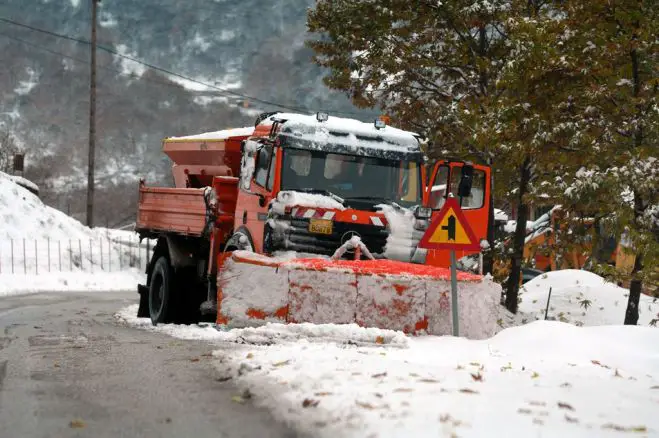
83,61
166,71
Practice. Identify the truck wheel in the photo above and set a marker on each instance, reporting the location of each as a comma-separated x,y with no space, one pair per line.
160,292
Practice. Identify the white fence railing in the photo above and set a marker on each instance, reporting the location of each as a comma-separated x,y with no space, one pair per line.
40,256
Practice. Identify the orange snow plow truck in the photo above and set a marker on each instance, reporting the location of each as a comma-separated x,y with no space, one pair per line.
308,218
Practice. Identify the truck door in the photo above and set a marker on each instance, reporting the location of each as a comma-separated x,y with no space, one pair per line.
256,191
444,178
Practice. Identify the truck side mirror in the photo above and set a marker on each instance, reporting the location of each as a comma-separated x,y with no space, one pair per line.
466,180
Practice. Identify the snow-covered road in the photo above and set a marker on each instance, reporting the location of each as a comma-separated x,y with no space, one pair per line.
546,378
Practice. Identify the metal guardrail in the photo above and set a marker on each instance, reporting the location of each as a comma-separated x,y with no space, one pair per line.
41,256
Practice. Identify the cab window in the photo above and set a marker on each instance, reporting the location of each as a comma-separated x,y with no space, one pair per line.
409,186
262,165
439,187
271,172
476,198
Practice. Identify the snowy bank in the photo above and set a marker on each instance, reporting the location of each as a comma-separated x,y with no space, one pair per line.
70,282
546,378
581,298
44,250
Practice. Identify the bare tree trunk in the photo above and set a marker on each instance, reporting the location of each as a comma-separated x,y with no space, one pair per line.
631,314
488,256
512,288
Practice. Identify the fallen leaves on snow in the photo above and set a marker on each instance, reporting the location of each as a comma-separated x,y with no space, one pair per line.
563,405
310,403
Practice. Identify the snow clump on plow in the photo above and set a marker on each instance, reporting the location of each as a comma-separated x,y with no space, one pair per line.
254,289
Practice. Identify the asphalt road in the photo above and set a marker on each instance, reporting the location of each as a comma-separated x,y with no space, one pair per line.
68,369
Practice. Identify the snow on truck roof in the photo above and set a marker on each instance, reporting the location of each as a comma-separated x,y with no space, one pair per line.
216,135
350,133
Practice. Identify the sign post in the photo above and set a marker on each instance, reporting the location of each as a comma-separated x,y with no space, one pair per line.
450,230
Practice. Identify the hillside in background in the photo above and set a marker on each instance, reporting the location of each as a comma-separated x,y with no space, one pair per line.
231,49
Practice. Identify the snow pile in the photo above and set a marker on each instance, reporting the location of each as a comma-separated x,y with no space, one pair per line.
36,241
542,379
582,298
403,239
23,182
500,215
289,198
217,135
271,333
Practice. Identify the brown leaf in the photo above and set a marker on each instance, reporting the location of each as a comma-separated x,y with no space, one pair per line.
322,394
403,390
571,419
618,428
468,391
364,405
194,359
379,340
77,424
310,403
565,406
535,375
444,418
237,399
597,362
281,363
378,375
478,377
249,355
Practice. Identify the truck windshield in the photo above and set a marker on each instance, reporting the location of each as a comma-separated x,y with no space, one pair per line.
352,177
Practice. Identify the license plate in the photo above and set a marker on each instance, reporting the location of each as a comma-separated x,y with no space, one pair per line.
320,226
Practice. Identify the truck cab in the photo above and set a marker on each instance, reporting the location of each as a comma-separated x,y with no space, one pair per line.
310,183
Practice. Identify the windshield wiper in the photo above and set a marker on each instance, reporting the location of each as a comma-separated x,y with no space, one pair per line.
322,192
376,198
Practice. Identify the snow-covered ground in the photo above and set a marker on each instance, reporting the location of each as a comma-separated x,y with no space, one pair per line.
546,378
582,298
71,282
43,249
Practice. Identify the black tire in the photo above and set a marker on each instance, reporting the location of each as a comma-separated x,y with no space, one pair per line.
161,297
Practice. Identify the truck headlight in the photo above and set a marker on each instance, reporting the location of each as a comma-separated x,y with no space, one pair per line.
423,212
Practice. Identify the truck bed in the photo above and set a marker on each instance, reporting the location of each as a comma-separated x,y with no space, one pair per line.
172,210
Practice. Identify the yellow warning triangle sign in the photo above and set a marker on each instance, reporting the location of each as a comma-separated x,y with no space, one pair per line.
450,230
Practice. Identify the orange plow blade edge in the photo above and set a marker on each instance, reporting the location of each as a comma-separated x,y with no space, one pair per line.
416,299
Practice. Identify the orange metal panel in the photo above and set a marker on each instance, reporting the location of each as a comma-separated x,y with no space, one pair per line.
171,209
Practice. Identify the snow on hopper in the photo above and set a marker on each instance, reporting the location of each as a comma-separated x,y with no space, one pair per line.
254,289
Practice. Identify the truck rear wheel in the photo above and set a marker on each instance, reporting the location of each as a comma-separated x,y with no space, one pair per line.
161,299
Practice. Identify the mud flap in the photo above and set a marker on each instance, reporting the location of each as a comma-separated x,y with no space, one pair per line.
143,309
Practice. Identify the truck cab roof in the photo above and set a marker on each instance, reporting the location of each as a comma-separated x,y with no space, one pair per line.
341,135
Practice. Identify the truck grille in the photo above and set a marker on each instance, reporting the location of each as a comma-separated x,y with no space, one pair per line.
300,239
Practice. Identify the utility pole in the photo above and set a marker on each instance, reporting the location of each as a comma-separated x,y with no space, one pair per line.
92,121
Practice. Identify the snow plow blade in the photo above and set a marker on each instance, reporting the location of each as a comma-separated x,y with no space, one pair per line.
416,299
